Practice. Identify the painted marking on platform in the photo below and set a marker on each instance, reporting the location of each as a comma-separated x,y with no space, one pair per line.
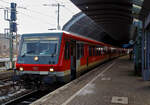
82,89
88,90
119,100
106,79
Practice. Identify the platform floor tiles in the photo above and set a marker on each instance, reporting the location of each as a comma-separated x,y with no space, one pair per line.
112,83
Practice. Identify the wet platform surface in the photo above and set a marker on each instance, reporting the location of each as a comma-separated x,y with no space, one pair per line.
112,83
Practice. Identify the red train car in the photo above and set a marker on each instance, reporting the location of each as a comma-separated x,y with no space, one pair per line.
59,56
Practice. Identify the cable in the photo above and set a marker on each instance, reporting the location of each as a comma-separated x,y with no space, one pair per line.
37,12
4,1
68,9
30,10
35,18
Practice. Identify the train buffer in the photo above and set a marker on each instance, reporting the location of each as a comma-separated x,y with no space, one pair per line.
112,83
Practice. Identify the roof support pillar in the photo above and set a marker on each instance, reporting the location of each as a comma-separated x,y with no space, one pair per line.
146,55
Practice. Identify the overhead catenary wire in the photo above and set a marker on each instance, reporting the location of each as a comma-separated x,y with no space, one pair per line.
66,5
29,15
39,19
4,1
37,12
40,13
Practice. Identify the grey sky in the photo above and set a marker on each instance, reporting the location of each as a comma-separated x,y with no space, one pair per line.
36,17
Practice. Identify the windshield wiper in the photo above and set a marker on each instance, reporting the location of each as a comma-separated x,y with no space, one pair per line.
53,54
30,51
26,53
23,54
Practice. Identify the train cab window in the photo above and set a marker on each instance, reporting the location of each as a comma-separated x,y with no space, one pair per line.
39,47
67,51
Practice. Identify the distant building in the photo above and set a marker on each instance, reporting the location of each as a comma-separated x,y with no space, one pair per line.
4,46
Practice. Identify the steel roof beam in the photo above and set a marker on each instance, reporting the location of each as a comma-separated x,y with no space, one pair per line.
78,2
113,21
137,2
105,7
110,14
112,17
99,12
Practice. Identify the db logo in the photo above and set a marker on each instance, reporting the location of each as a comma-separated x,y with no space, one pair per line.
35,68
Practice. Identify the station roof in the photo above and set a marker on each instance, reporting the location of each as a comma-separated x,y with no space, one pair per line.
145,9
114,16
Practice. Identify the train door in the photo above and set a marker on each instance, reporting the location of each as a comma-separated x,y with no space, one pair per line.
73,59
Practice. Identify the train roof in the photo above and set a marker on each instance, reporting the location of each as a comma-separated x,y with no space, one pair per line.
68,33
85,38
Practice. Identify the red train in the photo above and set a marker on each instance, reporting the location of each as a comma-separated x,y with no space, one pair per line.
60,56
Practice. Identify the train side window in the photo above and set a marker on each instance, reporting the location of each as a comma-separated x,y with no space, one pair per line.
102,51
97,51
93,51
90,51
67,50
82,50
78,51
105,50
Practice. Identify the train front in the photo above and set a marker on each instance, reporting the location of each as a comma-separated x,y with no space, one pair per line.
38,58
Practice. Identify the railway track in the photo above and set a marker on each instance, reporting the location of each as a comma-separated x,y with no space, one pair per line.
5,82
23,99
30,96
6,75
27,98
8,89
13,95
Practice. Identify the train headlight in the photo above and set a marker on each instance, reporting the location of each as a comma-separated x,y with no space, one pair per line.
36,58
21,68
51,69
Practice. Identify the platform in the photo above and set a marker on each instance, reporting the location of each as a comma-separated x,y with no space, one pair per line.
112,83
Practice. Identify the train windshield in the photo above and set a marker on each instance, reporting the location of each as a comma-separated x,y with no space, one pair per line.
39,47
